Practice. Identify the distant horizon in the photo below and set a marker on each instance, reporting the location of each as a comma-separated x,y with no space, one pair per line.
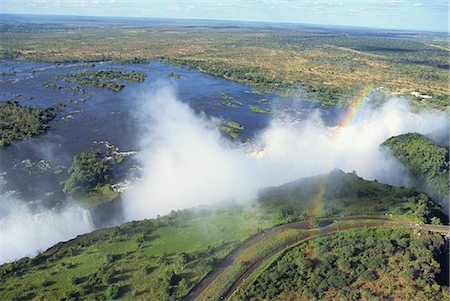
318,25
409,15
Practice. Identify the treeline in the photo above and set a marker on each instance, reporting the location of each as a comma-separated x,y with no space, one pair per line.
135,60
384,264
19,122
428,162
245,74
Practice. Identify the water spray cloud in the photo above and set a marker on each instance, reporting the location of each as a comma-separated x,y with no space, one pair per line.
24,232
186,162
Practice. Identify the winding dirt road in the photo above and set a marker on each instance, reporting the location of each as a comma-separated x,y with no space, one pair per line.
304,225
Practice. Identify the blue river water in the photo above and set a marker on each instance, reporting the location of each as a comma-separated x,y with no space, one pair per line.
28,165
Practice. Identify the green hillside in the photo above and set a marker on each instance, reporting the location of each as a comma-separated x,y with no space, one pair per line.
164,258
427,162
341,194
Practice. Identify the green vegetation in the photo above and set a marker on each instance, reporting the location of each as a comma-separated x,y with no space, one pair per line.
103,78
173,74
135,60
90,177
439,100
52,86
426,161
343,194
255,257
328,65
59,106
58,170
226,96
157,259
261,106
354,265
8,73
233,104
75,90
232,129
228,100
164,258
19,122
247,256
258,109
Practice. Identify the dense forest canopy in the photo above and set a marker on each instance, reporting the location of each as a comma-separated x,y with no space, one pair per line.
19,121
428,162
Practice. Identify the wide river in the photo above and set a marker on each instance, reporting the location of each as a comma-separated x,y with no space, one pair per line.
28,166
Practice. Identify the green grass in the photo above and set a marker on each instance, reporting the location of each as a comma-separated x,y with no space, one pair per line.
97,196
246,257
199,233
216,289
140,253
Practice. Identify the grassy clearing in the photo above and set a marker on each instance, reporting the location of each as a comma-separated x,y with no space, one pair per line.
152,259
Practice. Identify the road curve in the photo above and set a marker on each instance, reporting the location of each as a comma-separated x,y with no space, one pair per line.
305,225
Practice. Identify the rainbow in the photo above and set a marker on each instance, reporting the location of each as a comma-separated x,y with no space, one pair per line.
316,205
317,200
355,106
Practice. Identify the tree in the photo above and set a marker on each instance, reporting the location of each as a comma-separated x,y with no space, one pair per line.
435,220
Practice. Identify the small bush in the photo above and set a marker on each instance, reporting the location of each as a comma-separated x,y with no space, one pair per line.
113,291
